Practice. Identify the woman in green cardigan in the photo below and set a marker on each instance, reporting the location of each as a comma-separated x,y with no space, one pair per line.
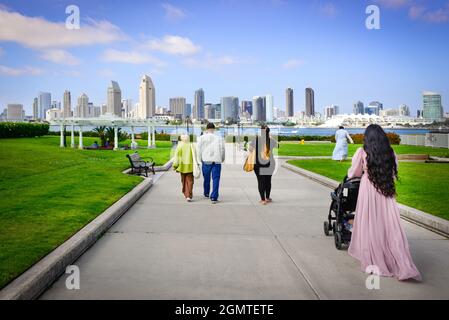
183,163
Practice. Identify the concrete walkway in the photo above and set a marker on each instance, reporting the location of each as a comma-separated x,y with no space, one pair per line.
165,248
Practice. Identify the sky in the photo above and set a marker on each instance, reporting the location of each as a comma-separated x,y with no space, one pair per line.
237,48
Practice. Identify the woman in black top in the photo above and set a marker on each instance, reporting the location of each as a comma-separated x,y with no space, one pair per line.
265,164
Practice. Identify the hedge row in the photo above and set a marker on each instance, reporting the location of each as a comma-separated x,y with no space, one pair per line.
23,129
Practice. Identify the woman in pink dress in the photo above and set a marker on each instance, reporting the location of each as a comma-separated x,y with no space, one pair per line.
378,240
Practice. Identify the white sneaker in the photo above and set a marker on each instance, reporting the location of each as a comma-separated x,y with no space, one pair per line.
189,200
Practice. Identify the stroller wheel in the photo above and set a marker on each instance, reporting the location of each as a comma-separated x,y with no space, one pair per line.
326,228
338,240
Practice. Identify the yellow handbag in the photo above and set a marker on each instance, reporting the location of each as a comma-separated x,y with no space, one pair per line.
248,166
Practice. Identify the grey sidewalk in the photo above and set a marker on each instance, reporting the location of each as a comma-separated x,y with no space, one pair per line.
165,248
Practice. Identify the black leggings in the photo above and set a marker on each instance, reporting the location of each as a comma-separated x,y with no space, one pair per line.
264,185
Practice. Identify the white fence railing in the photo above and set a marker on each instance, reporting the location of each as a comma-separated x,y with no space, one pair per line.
436,140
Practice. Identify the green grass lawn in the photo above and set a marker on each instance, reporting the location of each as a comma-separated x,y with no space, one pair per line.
326,149
48,193
421,185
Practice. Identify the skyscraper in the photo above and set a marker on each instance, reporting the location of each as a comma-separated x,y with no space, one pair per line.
229,109
209,111
289,108
67,104
82,108
310,102
269,107
432,107
147,98
127,106
44,104
374,108
198,105
14,112
177,107
35,109
404,110
358,108
259,109
188,110
114,99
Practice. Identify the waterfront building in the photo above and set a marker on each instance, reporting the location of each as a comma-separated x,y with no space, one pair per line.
310,102
259,109
35,109
358,108
44,104
432,107
198,105
147,98
67,104
230,109
15,112
289,107
177,107
114,105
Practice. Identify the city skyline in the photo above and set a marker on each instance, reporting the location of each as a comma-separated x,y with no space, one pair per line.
390,65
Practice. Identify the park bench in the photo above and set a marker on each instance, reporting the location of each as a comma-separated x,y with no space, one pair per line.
138,165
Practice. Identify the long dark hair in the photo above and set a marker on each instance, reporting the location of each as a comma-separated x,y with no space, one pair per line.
381,160
264,128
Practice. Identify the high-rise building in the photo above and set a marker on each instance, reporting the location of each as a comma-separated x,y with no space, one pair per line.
404,110
147,98
35,109
114,99
127,105
377,104
269,105
198,105
230,109
82,108
104,108
358,108
217,110
14,112
310,102
330,111
44,104
289,107
259,109
419,113
177,107
432,107
209,111
246,107
188,110
67,104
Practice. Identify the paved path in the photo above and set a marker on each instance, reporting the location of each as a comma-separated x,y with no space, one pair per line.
165,248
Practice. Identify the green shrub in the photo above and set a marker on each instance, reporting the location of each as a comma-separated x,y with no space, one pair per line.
23,129
392,137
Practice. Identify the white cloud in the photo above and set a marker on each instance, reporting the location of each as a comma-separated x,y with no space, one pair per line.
439,15
211,62
24,71
292,64
132,57
173,13
394,3
59,56
1,51
174,45
39,33
329,9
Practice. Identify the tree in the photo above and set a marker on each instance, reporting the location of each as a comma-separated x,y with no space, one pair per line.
101,131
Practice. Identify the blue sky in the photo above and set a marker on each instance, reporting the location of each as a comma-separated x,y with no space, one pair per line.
229,47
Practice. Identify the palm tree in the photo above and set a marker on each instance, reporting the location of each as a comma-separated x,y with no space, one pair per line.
101,134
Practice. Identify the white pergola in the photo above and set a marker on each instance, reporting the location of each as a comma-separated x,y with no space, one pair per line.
114,122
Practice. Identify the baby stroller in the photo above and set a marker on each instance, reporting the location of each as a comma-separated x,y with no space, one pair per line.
344,201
